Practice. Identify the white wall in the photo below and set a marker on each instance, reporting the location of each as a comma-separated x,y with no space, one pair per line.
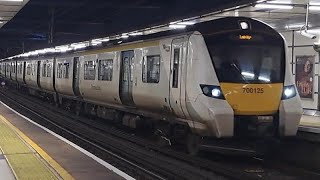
301,46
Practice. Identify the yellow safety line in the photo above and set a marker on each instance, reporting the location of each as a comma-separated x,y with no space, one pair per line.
60,170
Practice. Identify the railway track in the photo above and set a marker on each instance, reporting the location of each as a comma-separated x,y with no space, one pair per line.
136,156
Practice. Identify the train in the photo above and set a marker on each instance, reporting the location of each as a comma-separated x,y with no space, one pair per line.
226,78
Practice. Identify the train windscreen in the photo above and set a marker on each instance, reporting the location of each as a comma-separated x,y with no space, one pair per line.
247,58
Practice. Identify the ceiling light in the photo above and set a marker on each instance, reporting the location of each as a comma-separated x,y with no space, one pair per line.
177,26
314,8
13,0
136,34
105,39
295,26
273,6
187,23
78,46
280,2
125,36
50,50
314,3
1,22
63,48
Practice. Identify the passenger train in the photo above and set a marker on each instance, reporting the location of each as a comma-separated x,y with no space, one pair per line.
225,78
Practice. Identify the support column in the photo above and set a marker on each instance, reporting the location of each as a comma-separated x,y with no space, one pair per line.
51,26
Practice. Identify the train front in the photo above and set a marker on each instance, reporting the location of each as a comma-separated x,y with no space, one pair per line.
255,80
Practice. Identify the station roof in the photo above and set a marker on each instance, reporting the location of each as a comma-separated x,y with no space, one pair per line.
78,20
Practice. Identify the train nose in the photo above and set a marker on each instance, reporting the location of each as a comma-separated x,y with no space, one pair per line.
253,99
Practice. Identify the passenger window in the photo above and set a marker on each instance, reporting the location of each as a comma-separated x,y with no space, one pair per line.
66,70
59,70
175,71
44,70
20,68
13,68
105,70
49,70
151,69
29,69
89,70
33,70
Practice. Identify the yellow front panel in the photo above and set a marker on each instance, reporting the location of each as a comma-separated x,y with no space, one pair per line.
253,99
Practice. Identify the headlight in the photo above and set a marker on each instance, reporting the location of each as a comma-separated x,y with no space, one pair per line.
212,91
289,92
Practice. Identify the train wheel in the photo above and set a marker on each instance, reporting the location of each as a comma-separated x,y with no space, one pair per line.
193,144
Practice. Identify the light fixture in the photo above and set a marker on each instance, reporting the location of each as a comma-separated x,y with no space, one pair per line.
273,6
244,25
96,42
105,39
280,2
216,92
188,23
78,46
62,48
177,26
33,53
314,8
136,34
1,22
289,92
13,0
212,91
50,50
124,36
295,26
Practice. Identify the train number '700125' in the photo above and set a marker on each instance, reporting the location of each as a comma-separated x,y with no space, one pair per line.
253,90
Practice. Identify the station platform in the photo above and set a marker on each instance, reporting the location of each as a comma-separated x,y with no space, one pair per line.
30,151
310,121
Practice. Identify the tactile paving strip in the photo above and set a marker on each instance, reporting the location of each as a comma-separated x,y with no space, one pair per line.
23,160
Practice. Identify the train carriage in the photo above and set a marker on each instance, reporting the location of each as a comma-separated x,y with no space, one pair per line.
225,78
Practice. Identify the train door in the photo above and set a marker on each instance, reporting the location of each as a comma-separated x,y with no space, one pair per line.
126,77
38,73
175,76
75,82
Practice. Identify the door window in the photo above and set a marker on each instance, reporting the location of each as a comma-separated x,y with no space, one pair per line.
44,70
175,70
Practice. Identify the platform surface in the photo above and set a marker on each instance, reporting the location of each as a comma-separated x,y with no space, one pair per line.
313,121
30,152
